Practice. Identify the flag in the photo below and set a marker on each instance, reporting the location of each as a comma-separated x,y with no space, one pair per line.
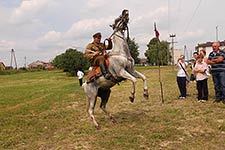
156,31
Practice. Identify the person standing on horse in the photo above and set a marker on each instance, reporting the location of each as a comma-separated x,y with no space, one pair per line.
95,53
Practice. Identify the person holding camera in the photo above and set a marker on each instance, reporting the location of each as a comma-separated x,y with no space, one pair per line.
182,77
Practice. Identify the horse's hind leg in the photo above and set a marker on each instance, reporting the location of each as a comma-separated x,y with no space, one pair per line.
91,105
104,95
91,101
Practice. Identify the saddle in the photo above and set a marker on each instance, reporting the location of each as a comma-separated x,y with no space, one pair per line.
95,72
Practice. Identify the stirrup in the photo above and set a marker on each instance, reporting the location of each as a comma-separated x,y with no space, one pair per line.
107,76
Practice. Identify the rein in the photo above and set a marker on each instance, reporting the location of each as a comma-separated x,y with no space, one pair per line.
119,36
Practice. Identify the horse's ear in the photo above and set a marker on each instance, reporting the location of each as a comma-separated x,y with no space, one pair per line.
112,26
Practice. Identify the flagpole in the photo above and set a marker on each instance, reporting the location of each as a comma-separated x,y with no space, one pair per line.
159,61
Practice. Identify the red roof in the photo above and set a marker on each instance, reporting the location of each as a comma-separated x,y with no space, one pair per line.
2,64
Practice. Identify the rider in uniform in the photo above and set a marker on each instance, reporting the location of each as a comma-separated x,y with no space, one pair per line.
95,53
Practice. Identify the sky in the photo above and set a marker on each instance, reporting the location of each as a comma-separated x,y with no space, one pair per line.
43,29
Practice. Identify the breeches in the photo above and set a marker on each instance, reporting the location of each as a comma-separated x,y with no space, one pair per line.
99,60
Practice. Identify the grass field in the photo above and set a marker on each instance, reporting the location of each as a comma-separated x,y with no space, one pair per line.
47,111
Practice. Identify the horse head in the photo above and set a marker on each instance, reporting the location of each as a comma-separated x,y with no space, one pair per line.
120,26
121,23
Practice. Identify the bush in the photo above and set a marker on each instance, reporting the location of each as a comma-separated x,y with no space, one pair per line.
8,72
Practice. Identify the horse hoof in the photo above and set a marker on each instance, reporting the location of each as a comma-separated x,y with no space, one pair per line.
113,120
97,127
131,99
146,96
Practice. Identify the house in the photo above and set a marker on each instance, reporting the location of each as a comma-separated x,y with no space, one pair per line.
208,46
40,65
143,61
2,66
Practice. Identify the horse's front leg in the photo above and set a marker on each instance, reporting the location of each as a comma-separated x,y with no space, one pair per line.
126,75
141,76
132,97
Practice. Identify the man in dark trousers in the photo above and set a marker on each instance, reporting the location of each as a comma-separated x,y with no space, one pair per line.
217,61
80,75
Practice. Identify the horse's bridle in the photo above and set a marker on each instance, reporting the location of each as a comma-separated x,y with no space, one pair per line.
118,36
123,20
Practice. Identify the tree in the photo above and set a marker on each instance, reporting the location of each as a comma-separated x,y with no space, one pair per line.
158,52
70,60
133,49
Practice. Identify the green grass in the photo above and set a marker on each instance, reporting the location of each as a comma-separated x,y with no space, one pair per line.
47,110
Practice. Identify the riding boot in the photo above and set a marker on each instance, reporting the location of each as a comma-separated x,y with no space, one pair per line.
104,72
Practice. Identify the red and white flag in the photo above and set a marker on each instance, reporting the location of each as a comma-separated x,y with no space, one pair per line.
156,31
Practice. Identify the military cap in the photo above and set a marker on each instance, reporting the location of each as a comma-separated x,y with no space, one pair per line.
97,35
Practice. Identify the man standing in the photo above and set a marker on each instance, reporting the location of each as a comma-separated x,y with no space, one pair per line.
217,61
95,53
80,76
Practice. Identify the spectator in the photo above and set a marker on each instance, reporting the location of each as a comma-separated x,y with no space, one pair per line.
195,55
202,78
217,61
203,52
80,75
181,77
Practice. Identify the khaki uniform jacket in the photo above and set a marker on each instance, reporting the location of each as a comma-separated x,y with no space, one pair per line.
93,47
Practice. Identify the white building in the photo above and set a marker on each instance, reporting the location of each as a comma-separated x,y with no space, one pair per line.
208,47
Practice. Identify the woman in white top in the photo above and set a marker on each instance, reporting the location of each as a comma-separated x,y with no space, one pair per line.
200,71
181,77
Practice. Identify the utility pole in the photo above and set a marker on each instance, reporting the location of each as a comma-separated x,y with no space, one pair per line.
13,56
217,33
186,52
172,36
25,62
11,52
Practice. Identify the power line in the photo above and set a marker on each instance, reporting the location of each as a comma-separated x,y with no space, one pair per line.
193,15
177,18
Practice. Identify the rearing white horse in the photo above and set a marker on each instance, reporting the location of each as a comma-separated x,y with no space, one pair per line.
121,66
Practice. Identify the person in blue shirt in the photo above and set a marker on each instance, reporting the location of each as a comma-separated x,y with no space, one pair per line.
217,61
